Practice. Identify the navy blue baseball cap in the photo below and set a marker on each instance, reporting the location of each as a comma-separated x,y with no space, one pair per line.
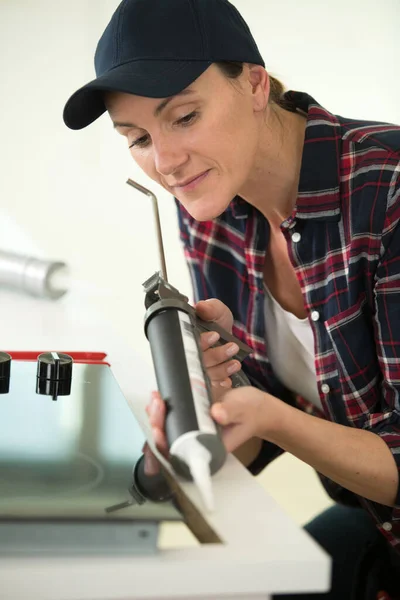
156,48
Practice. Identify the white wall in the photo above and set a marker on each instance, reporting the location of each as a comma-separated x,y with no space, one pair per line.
66,190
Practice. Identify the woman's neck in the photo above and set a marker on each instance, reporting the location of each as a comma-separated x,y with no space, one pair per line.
273,185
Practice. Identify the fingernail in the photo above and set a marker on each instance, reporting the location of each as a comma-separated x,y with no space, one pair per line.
232,349
213,338
233,368
225,383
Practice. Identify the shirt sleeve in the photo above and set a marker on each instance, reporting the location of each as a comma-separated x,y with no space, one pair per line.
386,423
267,454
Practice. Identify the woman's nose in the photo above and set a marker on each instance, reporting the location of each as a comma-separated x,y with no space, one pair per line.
168,157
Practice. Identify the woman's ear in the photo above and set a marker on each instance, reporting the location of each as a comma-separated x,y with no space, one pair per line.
260,86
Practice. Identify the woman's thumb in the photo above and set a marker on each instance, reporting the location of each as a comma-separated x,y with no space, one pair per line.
229,410
216,311
220,413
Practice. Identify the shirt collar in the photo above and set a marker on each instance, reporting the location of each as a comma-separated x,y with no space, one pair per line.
239,208
319,194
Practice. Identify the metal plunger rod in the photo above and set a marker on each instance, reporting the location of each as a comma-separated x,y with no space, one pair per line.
147,192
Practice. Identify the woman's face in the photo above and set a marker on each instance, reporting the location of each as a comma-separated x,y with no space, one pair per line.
201,144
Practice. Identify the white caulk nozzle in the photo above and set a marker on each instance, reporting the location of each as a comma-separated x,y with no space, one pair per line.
198,459
200,470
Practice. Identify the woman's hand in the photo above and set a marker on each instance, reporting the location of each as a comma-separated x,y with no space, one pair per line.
218,360
156,413
245,413
219,365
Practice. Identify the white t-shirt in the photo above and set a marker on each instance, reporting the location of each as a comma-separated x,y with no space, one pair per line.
290,345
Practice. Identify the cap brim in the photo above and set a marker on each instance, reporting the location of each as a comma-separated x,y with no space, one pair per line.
150,78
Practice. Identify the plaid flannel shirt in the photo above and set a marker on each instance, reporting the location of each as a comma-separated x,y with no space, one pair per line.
343,240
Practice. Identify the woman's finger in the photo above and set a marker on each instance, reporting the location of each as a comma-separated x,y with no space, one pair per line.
219,355
222,372
151,464
160,440
224,384
215,310
208,339
156,411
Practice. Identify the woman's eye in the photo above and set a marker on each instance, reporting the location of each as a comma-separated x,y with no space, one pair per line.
184,121
187,119
140,142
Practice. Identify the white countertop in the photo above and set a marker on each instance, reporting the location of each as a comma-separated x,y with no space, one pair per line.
264,551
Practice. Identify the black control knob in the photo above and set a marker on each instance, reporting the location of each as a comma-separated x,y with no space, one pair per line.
5,371
54,374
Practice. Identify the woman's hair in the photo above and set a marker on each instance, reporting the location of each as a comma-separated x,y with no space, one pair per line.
233,70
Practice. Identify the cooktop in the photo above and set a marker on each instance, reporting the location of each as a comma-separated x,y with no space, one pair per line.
68,441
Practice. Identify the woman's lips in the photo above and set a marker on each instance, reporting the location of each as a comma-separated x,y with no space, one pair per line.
188,187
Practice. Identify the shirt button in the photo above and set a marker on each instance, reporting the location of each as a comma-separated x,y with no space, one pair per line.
387,526
314,315
325,388
296,237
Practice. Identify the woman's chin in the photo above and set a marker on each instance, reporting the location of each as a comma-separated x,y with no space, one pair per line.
205,210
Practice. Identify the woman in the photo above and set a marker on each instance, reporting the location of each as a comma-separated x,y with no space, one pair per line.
289,219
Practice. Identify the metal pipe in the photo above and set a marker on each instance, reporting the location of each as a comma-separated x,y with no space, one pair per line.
161,253
31,275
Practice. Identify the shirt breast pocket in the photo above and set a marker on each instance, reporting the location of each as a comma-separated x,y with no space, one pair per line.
352,335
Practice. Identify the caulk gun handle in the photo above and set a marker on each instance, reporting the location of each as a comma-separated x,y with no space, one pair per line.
238,379
244,349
